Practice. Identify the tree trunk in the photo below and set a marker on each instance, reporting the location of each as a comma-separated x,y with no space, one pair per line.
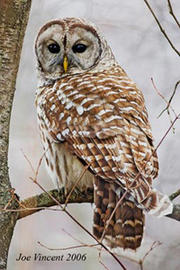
13,20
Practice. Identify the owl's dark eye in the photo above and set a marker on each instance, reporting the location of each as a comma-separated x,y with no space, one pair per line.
54,48
79,48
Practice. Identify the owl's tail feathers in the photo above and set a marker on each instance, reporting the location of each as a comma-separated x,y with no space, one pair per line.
125,229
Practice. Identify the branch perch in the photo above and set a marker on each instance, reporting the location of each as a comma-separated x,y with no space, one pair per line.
43,201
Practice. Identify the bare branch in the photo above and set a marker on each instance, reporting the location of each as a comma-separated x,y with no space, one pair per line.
172,13
68,248
170,100
44,200
171,126
101,262
175,88
75,183
80,242
154,245
166,101
113,212
160,26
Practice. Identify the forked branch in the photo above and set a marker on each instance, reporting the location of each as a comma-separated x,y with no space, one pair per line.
172,13
161,28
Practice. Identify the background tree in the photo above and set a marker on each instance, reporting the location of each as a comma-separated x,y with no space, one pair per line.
13,20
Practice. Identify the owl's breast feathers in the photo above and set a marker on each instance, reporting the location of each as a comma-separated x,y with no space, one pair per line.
103,118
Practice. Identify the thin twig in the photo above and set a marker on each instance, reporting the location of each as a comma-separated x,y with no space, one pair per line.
36,172
67,248
167,107
75,184
105,267
175,88
101,262
162,30
112,214
29,162
77,240
40,161
169,102
172,13
153,246
172,124
30,210
166,101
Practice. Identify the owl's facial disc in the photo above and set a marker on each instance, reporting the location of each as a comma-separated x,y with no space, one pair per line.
50,50
82,49
63,50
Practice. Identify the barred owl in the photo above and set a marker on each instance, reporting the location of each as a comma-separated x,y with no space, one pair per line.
92,118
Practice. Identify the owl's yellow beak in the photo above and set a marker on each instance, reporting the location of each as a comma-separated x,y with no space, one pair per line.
65,63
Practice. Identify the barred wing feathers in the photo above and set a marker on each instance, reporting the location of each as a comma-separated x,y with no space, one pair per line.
103,119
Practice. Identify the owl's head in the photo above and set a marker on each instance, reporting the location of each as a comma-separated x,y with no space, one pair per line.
71,46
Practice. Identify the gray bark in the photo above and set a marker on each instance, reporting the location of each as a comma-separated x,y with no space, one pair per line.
13,20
